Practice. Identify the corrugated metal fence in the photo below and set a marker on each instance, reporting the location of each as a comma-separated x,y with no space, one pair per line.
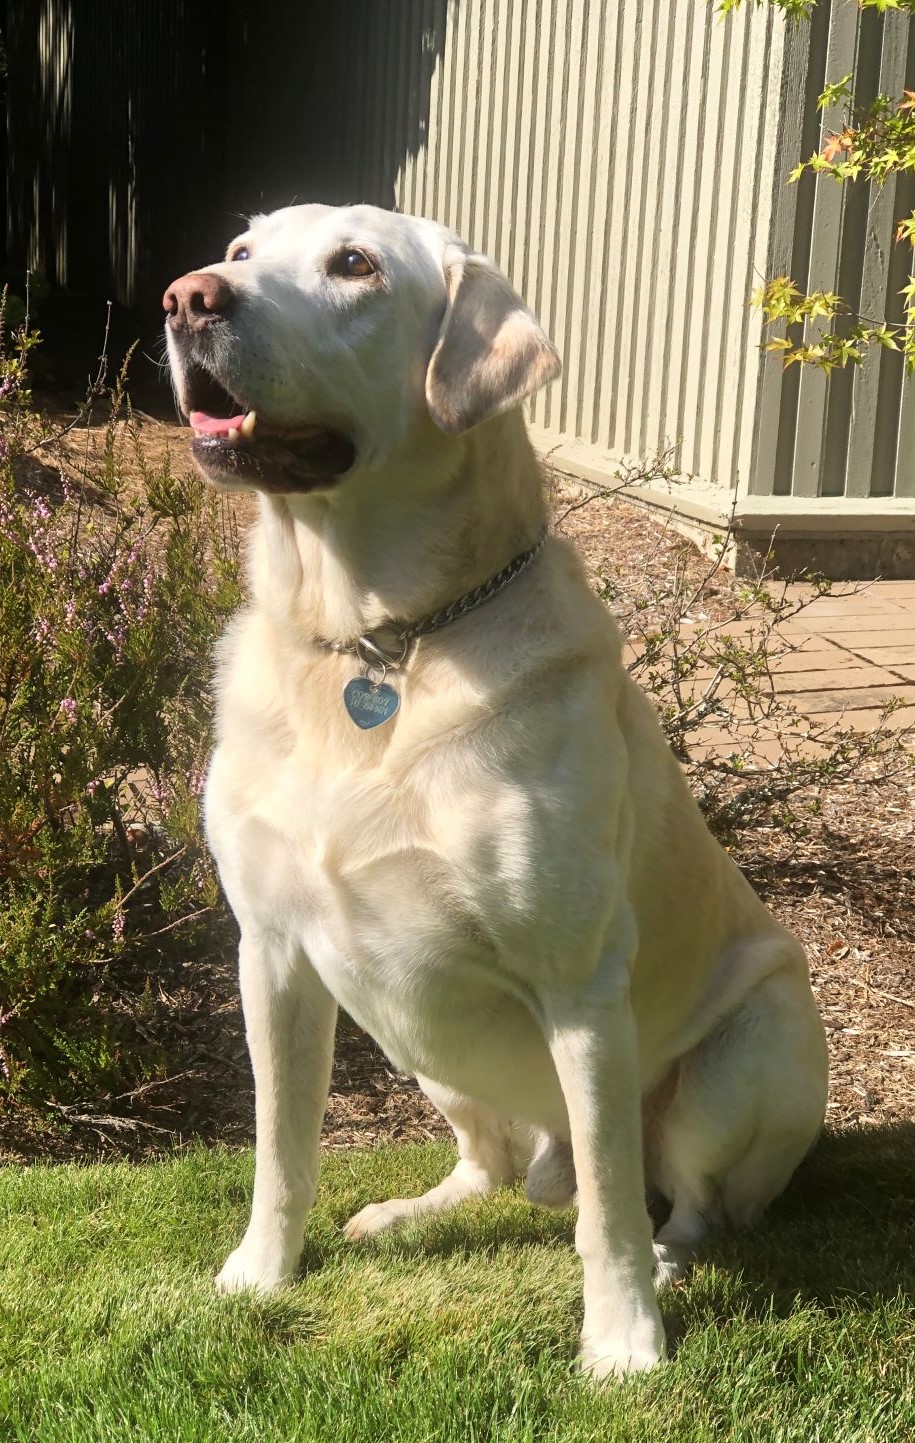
626,165
624,162
602,178
852,433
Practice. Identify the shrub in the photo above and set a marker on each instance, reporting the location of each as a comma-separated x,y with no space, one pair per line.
872,138
112,590
708,648
716,670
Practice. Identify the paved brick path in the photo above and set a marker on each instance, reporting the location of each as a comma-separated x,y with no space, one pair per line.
852,652
857,650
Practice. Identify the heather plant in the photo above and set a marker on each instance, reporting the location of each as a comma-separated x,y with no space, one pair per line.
108,612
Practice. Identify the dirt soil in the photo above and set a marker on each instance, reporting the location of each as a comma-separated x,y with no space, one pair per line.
845,884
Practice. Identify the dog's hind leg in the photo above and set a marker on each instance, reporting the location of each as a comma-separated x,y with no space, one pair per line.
487,1159
675,1244
748,1105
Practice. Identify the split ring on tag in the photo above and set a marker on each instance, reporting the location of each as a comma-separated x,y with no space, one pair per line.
373,655
369,700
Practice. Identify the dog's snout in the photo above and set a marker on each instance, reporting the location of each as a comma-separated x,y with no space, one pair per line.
195,300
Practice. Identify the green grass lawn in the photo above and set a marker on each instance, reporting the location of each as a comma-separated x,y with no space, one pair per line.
460,1329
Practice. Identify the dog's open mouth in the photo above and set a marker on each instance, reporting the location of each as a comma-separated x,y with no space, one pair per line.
234,446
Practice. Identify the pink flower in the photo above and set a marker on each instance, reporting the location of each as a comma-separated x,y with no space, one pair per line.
195,780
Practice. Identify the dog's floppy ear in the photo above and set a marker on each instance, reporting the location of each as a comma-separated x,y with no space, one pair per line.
491,351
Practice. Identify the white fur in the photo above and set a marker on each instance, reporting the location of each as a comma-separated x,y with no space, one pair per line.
509,886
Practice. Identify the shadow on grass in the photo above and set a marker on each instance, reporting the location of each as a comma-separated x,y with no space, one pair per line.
840,1239
841,1236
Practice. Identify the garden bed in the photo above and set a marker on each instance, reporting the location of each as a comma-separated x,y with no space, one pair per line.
840,876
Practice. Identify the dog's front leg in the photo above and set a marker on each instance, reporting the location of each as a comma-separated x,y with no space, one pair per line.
592,1040
289,1021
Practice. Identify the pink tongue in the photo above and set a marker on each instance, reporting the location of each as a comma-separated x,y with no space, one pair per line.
214,425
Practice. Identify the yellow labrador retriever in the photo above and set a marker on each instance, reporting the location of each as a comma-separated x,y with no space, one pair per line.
439,801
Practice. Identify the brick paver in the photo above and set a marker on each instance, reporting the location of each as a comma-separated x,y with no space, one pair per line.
853,651
871,633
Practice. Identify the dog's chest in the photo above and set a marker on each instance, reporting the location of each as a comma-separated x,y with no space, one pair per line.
406,912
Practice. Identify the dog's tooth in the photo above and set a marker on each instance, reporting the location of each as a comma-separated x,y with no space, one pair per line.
233,434
248,424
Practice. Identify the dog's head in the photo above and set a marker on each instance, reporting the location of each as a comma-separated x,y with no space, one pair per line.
327,334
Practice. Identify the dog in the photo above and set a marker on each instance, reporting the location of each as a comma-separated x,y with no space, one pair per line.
438,800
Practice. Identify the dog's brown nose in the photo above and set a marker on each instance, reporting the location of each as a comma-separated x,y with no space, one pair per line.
194,300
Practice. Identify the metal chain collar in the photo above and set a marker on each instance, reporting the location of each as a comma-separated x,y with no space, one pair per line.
380,656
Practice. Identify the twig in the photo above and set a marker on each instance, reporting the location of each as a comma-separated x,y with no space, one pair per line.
600,493
178,922
154,1082
628,476
117,821
221,1058
166,861
878,992
98,1121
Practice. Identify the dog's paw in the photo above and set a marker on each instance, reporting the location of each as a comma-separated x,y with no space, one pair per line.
256,1267
377,1217
631,1350
671,1262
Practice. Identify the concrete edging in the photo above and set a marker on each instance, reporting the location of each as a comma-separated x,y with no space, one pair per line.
848,538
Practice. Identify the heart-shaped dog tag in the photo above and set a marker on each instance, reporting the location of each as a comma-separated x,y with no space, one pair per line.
369,704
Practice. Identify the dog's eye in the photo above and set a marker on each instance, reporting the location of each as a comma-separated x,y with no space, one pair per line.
241,253
350,264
